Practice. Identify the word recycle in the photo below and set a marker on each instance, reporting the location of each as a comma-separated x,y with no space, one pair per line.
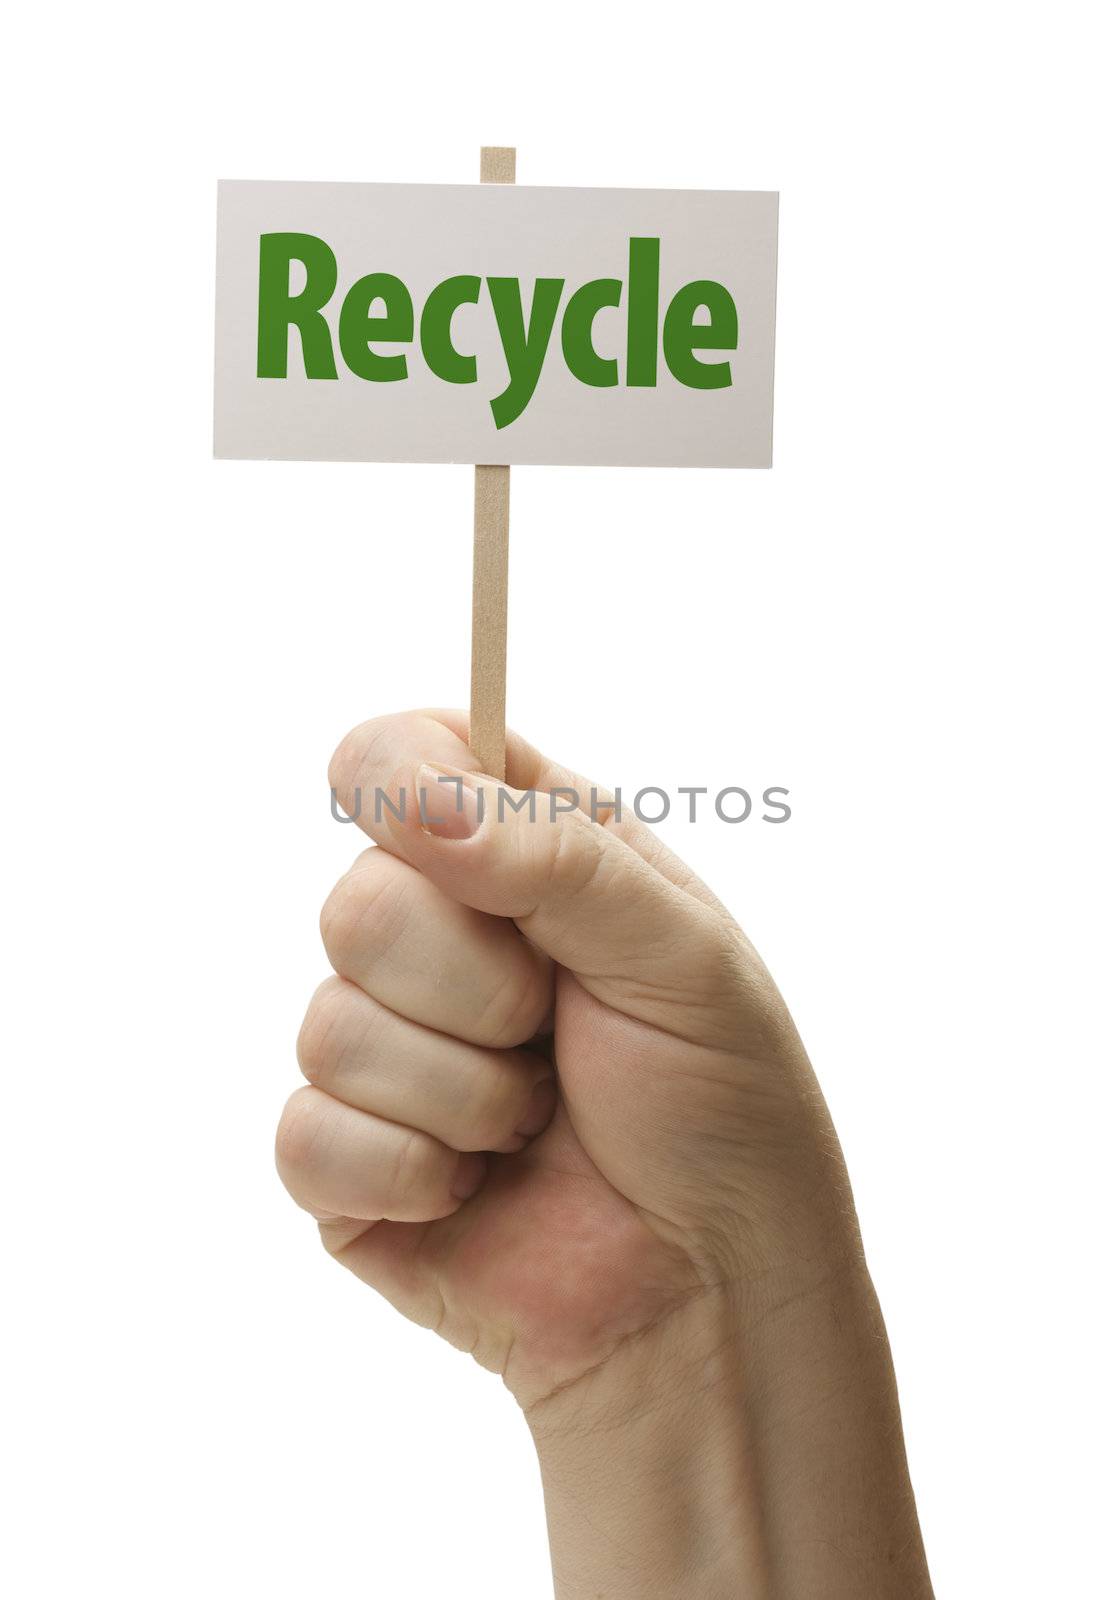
379,309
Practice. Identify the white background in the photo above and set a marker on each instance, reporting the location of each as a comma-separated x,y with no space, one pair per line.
903,622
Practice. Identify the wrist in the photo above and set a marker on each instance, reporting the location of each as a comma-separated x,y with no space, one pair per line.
749,1445
646,1482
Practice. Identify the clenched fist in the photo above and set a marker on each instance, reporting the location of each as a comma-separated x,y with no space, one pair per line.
558,1111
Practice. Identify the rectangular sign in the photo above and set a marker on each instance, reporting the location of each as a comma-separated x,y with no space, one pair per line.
495,323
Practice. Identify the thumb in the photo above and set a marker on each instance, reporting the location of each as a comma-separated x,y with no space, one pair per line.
635,939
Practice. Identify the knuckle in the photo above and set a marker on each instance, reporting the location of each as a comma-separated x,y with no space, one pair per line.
513,1010
299,1130
370,752
411,1179
365,911
575,857
352,759
317,1044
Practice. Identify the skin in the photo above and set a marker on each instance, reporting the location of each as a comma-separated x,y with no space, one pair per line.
556,1110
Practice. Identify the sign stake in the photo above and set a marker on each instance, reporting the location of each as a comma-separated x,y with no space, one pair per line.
487,735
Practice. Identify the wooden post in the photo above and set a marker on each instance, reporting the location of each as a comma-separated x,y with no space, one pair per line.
487,733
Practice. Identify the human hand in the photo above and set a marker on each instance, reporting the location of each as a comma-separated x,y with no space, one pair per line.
558,1111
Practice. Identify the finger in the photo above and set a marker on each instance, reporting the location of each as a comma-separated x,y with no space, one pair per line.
339,1162
371,756
431,959
467,1097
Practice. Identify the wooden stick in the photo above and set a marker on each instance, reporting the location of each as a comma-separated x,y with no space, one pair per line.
487,734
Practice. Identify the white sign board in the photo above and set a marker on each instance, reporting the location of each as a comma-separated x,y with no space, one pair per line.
495,323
